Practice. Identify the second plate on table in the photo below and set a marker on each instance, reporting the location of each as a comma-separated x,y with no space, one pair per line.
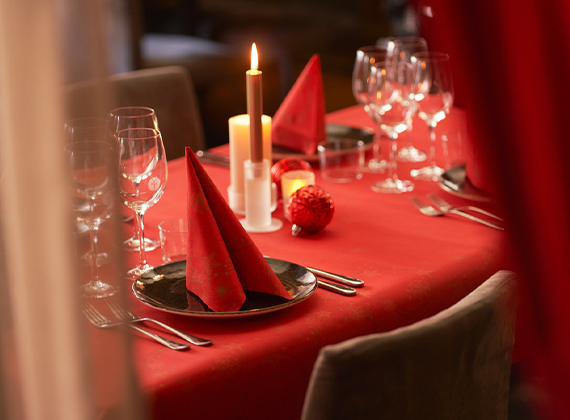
455,181
164,288
332,131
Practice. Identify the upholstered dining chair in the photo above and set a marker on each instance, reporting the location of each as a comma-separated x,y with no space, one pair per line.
453,365
168,90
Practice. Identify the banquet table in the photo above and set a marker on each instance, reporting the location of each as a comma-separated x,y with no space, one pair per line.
413,266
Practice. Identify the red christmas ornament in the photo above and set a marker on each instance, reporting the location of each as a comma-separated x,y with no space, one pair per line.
286,165
310,208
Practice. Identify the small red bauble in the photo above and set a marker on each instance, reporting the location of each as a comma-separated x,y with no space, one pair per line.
286,165
310,209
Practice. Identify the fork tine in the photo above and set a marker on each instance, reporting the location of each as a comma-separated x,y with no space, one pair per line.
93,314
116,309
438,201
424,208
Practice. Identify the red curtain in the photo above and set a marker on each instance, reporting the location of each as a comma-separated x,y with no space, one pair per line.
511,71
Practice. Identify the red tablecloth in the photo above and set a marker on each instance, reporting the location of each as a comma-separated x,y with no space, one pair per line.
259,367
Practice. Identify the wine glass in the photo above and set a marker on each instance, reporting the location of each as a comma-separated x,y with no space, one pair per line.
135,117
391,100
92,198
88,129
365,57
401,49
143,174
433,92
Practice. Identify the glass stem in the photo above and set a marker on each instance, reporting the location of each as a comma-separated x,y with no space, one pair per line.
137,224
140,217
94,253
94,247
431,127
392,170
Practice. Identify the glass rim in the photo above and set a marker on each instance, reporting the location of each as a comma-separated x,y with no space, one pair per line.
407,39
356,142
161,225
147,111
118,134
431,56
372,48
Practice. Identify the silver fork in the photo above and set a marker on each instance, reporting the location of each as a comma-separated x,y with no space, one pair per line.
97,319
431,211
126,316
445,206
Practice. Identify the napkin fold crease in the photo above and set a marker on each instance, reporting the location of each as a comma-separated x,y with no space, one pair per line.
222,260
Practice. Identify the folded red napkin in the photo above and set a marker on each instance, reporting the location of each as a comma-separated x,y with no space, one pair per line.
299,123
222,259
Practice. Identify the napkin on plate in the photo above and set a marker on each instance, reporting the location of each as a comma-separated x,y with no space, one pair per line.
299,123
222,260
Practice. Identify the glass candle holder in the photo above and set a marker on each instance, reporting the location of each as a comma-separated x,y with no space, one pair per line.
293,180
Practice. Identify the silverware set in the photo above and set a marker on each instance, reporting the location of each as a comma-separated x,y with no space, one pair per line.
443,208
126,317
343,288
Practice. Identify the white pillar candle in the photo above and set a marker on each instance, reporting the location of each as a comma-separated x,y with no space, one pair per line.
240,152
291,181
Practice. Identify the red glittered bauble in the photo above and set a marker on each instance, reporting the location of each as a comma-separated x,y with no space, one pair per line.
286,165
310,209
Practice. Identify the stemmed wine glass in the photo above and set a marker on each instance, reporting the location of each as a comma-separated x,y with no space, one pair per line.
433,92
135,117
391,100
401,49
142,178
365,58
92,197
88,129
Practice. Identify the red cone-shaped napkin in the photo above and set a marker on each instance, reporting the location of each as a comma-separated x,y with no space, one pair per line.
299,123
222,259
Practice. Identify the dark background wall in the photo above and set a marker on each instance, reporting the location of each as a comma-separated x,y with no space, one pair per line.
213,40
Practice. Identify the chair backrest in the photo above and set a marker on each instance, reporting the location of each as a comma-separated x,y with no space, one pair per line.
454,365
168,90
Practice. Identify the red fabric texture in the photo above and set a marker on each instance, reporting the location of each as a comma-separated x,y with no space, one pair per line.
222,259
299,123
413,266
512,64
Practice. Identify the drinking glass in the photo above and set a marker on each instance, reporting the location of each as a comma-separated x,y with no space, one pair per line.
92,198
391,100
135,117
142,178
433,92
365,58
401,49
88,129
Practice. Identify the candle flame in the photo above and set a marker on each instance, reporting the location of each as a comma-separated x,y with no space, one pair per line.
254,61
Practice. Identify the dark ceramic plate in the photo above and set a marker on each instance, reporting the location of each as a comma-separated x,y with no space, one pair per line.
455,181
164,288
332,131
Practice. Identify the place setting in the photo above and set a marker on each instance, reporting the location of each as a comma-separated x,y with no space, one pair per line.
224,276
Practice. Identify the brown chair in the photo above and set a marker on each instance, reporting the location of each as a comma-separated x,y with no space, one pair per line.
454,365
168,90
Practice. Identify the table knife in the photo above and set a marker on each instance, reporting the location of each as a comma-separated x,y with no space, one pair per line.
350,281
337,288
208,157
